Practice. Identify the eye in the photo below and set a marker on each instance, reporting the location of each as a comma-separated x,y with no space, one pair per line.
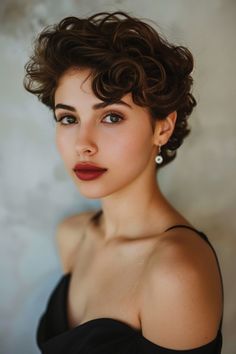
114,117
69,119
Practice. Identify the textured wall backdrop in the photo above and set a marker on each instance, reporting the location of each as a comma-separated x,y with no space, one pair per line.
36,192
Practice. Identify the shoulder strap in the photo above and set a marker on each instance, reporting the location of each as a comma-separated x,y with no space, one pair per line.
189,227
200,233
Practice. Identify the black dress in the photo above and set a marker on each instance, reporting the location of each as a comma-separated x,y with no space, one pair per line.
102,335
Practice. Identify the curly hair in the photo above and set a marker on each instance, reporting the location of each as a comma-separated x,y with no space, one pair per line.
124,55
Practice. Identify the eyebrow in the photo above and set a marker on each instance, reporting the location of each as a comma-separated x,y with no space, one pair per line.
95,106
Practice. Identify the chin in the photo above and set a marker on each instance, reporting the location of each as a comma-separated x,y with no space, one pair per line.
93,193
101,191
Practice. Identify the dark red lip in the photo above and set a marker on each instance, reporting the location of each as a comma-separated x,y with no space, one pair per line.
88,167
87,175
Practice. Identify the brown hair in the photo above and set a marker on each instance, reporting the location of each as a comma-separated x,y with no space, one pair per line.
124,55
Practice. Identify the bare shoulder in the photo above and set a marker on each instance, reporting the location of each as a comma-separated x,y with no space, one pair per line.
181,302
69,233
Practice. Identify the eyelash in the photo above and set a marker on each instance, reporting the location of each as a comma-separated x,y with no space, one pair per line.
107,114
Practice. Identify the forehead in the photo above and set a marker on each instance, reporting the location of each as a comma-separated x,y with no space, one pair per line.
74,80
76,83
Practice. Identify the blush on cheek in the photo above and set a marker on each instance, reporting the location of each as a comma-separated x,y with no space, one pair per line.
63,141
138,145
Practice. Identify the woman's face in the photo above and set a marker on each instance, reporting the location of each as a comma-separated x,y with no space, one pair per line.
117,137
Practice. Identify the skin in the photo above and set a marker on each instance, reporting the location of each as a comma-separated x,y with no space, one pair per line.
166,273
132,203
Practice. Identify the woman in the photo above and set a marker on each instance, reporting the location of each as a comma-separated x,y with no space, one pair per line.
139,278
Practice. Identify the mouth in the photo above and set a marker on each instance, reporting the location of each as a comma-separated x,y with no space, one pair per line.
87,175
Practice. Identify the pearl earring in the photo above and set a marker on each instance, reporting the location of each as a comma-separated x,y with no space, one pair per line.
159,158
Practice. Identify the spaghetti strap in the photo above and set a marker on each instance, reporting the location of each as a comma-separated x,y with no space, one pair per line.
189,227
200,233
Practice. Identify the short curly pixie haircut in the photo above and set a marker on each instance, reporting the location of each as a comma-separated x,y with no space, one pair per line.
125,55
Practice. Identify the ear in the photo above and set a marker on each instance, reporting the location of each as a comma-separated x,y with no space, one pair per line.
164,129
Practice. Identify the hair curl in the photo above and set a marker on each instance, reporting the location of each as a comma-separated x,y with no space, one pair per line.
124,55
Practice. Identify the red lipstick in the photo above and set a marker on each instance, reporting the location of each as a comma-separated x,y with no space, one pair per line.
87,172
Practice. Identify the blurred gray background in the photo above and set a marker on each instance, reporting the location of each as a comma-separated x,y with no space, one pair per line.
36,192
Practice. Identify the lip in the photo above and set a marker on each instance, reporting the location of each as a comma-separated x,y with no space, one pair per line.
88,167
88,175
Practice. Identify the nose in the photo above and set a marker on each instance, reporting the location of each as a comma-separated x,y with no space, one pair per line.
85,145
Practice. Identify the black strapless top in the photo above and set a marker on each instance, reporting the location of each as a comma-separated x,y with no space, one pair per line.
102,335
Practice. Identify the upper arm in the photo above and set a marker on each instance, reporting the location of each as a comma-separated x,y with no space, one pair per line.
181,302
68,235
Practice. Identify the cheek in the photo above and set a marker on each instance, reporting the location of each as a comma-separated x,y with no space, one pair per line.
62,145
130,145
59,142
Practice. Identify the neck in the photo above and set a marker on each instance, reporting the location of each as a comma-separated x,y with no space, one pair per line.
134,212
